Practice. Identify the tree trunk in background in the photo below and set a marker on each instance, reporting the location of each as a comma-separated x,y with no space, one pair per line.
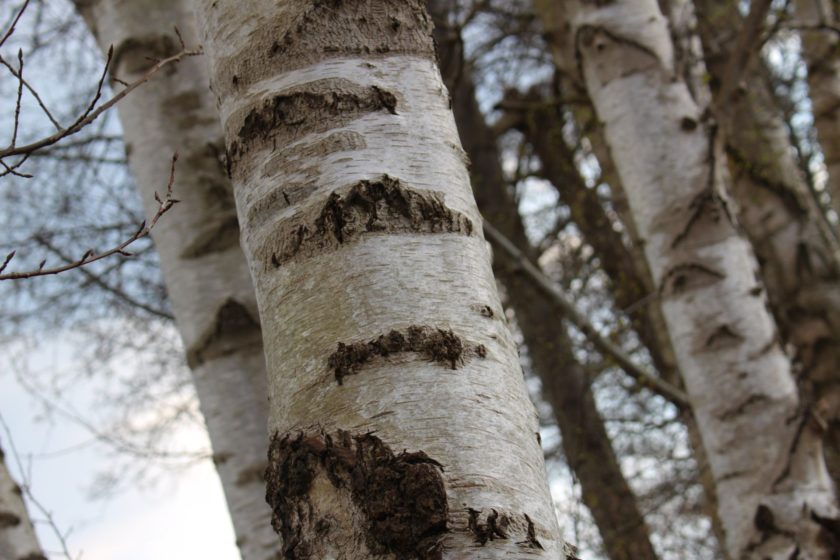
775,498
203,266
565,383
821,51
399,418
798,258
626,265
17,535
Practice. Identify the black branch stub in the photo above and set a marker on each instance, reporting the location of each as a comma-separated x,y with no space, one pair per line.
438,345
400,496
382,205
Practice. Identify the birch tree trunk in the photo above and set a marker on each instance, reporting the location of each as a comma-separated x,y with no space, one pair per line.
399,419
17,535
821,51
775,498
565,383
204,269
799,259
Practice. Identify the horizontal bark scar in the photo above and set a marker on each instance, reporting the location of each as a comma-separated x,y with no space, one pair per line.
316,106
8,519
400,499
382,205
438,345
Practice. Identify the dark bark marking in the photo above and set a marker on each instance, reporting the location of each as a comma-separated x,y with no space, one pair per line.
688,276
317,106
614,56
382,205
723,337
138,54
8,519
438,345
829,535
709,222
251,474
402,496
741,408
34,556
493,527
219,235
531,541
221,458
233,328
688,124
309,32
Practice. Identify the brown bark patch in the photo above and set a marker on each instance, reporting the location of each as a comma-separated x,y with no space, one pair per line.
34,556
383,205
400,498
438,345
251,474
138,54
317,106
232,329
493,527
305,32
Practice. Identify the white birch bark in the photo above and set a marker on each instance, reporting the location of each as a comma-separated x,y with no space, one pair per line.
775,498
821,50
18,540
400,423
204,269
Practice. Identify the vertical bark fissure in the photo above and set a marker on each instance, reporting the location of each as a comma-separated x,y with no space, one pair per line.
565,384
358,223
723,335
205,272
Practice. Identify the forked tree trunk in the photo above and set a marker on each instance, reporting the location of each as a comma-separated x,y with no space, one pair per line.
775,498
17,535
204,269
821,51
565,383
799,258
399,418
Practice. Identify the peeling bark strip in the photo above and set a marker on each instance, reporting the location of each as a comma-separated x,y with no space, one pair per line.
383,205
317,106
399,498
438,345
306,32
492,528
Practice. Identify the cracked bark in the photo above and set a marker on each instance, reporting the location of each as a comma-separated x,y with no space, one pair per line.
17,535
204,269
799,259
759,458
362,101
565,383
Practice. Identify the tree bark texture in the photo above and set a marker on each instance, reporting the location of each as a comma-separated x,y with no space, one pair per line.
400,425
17,535
775,498
204,269
821,51
798,257
565,383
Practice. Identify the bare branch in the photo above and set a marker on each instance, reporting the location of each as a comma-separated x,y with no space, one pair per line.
16,19
165,203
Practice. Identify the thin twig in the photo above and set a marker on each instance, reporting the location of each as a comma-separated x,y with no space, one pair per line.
634,370
11,29
164,205
90,114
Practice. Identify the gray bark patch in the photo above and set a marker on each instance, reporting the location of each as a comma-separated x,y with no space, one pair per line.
138,54
218,235
383,205
317,106
438,345
400,499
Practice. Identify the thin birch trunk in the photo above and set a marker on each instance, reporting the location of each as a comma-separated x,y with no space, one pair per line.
399,418
821,51
17,534
565,383
204,269
799,259
775,498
